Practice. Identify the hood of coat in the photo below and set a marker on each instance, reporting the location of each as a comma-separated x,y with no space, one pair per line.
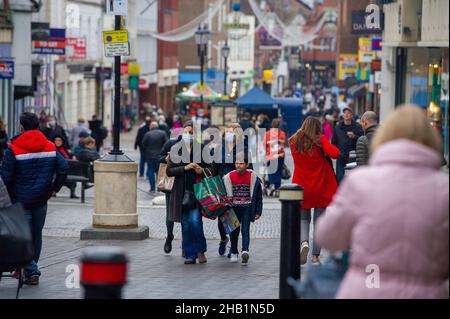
33,141
406,153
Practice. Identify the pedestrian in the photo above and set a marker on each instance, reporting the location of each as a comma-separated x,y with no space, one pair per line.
88,152
98,131
183,206
233,142
393,214
59,143
33,171
275,142
152,144
345,136
43,119
314,172
170,223
327,125
77,149
54,129
369,123
163,126
246,122
3,139
75,134
244,188
143,129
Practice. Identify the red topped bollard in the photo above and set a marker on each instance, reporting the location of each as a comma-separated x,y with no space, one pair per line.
103,272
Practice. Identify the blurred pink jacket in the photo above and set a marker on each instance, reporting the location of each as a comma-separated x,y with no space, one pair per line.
328,131
393,214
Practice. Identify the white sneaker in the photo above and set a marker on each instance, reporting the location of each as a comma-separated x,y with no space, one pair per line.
304,250
245,257
234,258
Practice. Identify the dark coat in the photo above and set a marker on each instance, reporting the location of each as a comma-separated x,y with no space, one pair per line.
3,143
183,180
32,169
363,145
228,159
58,130
343,142
140,136
87,155
152,144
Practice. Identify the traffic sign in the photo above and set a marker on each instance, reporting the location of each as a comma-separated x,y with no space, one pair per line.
116,43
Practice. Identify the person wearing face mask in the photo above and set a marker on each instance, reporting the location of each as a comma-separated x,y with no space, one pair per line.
53,130
164,156
233,142
187,170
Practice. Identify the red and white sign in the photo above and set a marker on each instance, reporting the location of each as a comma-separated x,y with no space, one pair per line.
49,44
124,68
76,48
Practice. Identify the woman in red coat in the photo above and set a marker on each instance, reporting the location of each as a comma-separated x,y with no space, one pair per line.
314,172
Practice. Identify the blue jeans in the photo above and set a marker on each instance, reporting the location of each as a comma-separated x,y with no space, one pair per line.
276,177
36,217
194,240
243,214
142,164
340,169
152,172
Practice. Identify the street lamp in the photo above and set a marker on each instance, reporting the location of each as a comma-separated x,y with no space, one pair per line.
202,39
226,54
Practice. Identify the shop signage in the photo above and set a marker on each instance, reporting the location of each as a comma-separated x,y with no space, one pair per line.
116,43
89,76
266,41
348,66
57,35
360,26
76,48
124,68
378,77
117,7
40,31
376,44
103,73
376,65
49,47
366,56
6,70
134,82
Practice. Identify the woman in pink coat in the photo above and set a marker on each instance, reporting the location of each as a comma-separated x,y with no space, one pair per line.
394,215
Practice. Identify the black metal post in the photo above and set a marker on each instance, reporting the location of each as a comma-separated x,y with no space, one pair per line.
291,196
103,272
116,147
225,78
202,62
116,155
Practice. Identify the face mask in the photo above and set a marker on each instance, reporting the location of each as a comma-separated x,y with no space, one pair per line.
229,137
52,124
188,138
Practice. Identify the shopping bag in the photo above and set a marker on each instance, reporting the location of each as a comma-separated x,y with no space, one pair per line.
212,195
229,220
164,183
16,245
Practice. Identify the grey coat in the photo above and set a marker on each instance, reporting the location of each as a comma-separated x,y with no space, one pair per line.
5,201
363,145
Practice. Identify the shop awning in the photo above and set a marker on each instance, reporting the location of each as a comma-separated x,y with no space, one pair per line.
357,90
195,91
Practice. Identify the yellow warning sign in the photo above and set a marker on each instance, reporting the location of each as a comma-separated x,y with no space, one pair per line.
119,36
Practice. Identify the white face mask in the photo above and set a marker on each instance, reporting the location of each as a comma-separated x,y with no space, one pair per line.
229,137
188,138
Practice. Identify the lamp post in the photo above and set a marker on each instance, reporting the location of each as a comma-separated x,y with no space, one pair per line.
226,54
201,39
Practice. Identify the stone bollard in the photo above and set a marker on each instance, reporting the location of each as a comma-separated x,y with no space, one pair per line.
291,197
103,272
115,216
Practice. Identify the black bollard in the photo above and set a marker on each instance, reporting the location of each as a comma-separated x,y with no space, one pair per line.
103,272
291,197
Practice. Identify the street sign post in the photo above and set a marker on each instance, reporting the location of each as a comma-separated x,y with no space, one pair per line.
117,7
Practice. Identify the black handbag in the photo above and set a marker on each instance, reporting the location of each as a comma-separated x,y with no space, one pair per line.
189,201
16,244
285,173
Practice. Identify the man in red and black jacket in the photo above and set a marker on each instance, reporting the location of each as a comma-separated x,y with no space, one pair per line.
33,171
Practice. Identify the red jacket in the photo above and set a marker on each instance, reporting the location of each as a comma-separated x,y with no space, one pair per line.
275,140
315,174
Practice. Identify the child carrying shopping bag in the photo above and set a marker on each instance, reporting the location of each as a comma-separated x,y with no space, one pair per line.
244,188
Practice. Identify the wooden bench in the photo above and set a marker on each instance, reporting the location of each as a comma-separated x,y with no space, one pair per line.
81,172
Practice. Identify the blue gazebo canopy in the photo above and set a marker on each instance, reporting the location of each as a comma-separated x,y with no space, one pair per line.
256,99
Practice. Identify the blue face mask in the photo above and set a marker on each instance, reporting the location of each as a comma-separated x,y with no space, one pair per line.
188,138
